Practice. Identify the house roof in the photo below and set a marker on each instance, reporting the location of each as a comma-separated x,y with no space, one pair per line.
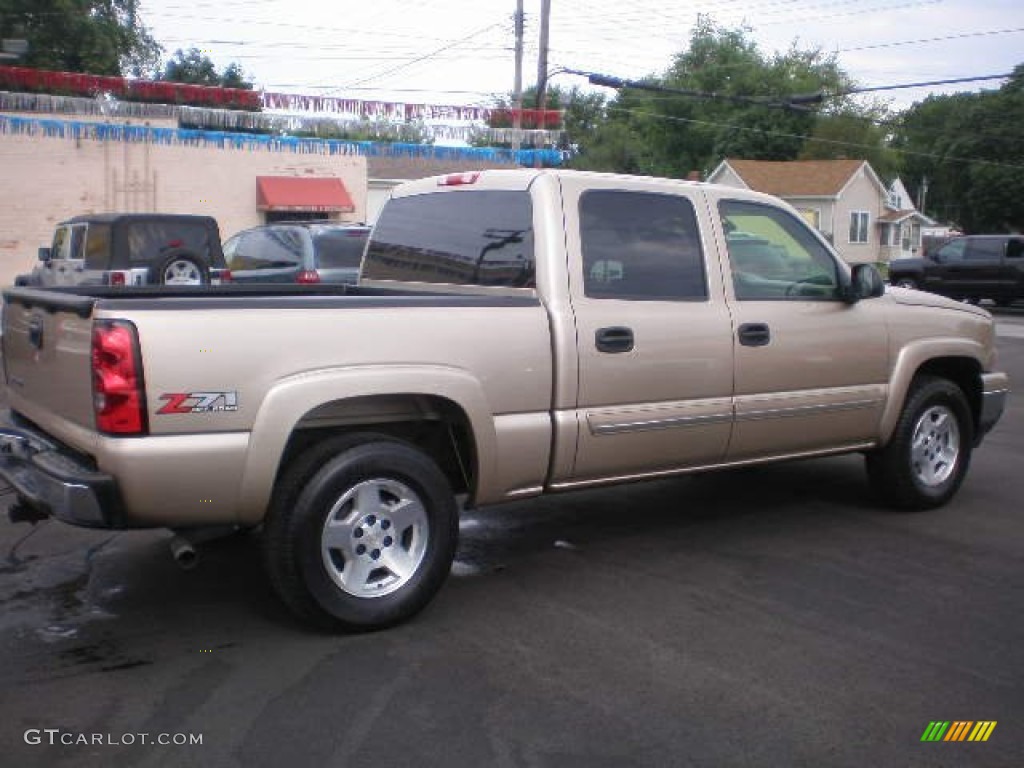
895,217
796,178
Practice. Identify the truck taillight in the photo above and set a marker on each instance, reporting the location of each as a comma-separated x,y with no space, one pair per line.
117,278
307,276
458,179
119,397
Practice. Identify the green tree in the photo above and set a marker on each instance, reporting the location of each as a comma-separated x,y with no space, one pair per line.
853,131
970,148
101,37
672,134
195,67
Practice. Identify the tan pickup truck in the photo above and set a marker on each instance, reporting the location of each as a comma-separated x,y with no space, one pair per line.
514,333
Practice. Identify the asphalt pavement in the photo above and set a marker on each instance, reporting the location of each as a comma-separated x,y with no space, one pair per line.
765,617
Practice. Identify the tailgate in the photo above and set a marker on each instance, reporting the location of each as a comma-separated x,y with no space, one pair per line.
47,338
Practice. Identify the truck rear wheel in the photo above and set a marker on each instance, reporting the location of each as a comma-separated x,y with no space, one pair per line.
361,532
930,450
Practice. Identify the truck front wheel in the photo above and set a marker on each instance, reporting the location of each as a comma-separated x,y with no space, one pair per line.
927,457
361,532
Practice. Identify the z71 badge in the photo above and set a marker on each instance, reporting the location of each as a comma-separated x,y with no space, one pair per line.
199,402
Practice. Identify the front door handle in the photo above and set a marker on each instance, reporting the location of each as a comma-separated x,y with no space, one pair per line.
613,340
754,334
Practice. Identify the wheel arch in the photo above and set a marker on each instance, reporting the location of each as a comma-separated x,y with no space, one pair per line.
958,362
441,411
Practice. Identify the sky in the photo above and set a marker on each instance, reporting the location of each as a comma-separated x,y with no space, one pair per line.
460,52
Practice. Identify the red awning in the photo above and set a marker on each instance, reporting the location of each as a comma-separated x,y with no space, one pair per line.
303,193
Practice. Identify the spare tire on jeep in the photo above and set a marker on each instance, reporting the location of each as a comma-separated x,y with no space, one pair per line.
181,267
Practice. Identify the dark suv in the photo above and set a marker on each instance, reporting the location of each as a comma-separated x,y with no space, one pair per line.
971,267
131,249
297,252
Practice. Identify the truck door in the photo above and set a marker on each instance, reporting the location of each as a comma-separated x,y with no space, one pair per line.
653,336
982,275
811,370
1013,267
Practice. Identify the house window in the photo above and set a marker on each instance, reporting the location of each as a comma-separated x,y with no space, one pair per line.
859,226
812,216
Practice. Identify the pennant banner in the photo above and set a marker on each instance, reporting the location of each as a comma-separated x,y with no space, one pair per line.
23,79
120,132
223,119
76,84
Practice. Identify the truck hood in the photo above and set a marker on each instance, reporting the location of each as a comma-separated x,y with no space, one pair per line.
915,298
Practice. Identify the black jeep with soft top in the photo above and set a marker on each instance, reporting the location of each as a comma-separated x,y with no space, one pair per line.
132,249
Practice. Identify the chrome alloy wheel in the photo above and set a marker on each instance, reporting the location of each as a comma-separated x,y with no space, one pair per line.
374,538
182,272
935,447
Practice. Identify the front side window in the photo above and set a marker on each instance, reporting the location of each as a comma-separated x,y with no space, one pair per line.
68,242
640,246
464,237
774,255
859,221
952,251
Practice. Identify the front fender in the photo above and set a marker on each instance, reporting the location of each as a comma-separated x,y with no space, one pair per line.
293,397
910,359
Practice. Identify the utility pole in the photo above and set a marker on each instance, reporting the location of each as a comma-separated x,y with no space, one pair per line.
517,114
542,68
542,60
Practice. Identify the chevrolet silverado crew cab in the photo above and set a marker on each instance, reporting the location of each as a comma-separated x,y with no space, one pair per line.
513,333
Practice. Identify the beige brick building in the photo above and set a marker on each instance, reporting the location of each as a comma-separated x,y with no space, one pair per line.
48,178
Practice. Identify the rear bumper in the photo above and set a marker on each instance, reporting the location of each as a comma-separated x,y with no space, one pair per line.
995,388
56,482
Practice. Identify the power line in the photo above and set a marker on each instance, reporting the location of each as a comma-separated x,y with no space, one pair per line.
805,137
424,57
961,36
927,84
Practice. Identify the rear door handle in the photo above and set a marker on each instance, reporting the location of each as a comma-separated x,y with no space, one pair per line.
754,334
614,339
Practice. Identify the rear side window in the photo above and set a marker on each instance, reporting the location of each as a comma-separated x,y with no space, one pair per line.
277,248
462,238
339,248
986,249
97,246
640,246
153,240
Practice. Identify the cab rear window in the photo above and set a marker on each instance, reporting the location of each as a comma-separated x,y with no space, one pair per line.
462,238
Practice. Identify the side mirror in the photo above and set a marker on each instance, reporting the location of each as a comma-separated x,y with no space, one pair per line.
44,254
865,283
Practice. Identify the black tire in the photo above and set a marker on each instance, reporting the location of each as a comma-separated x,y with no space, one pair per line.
182,263
927,473
333,587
